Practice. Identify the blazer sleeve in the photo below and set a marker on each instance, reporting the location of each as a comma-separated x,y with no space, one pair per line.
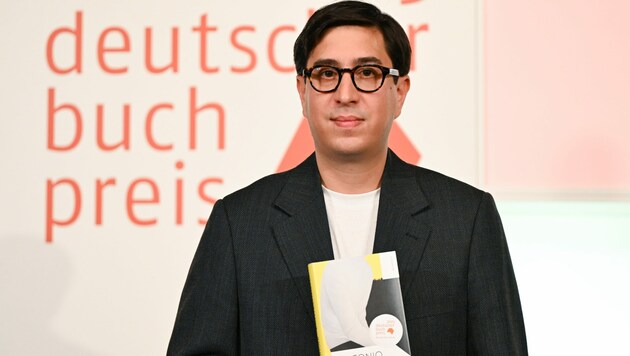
207,318
495,319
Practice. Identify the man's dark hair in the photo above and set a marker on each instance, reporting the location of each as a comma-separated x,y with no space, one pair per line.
353,13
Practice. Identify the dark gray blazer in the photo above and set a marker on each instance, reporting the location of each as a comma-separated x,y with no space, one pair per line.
248,290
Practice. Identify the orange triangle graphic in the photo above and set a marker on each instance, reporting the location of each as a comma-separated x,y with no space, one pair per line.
302,146
402,145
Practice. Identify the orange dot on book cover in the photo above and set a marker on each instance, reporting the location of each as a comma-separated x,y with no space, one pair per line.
386,330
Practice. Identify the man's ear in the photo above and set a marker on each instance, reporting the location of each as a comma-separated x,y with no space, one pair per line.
402,88
301,88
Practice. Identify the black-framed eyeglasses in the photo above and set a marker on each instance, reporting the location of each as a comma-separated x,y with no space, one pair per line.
367,78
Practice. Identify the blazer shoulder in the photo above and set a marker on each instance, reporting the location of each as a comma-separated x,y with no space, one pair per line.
431,183
264,189
303,179
447,190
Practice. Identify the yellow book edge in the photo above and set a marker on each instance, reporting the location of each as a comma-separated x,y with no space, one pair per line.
315,271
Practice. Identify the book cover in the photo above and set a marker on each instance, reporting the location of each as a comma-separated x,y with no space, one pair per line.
358,306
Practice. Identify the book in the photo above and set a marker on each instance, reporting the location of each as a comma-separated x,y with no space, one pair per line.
358,306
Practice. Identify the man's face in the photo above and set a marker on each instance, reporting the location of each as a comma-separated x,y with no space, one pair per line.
348,123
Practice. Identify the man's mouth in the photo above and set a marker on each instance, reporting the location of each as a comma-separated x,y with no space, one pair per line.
347,121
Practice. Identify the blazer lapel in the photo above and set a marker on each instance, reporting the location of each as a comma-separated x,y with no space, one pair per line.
303,235
398,227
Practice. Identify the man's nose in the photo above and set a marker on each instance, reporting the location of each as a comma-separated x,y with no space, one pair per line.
346,92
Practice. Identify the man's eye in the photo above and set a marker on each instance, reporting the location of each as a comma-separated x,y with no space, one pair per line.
366,72
327,73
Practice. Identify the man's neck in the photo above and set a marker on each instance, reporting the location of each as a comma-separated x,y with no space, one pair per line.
351,175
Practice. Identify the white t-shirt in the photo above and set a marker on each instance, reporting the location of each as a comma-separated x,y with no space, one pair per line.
352,222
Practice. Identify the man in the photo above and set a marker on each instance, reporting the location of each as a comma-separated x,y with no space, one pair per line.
248,290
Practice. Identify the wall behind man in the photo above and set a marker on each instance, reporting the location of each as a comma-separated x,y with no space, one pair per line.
122,123
557,120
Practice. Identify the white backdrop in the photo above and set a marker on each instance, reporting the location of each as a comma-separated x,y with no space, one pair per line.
96,242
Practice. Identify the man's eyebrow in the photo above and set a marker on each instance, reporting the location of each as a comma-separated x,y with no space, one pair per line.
367,60
356,62
326,62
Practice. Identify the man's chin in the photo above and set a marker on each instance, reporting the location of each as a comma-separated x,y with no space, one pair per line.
351,153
